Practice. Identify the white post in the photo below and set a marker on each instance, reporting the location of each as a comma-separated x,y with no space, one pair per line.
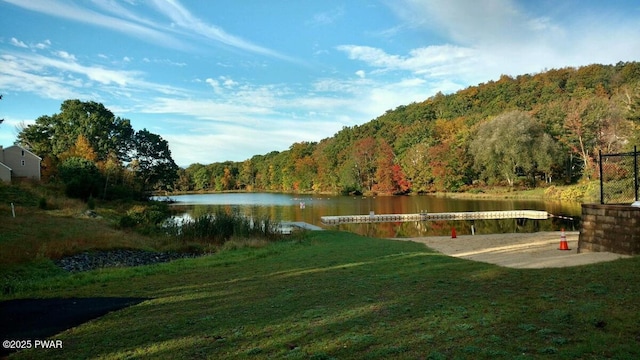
13,210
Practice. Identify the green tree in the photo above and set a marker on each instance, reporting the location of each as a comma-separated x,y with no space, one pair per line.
547,156
56,134
81,178
201,177
184,182
152,161
504,147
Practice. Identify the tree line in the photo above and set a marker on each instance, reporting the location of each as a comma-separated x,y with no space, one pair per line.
530,130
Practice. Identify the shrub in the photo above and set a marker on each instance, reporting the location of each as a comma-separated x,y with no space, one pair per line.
81,177
126,222
42,203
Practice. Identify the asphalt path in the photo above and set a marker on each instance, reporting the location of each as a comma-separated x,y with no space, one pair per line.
39,319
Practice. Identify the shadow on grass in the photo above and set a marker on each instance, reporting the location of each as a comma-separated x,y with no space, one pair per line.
31,319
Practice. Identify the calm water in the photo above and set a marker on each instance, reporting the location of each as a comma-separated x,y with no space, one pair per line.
291,207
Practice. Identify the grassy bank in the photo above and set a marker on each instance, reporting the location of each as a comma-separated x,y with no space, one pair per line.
322,295
338,295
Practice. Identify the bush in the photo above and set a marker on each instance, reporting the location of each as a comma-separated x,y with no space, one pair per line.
147,218
42,203
81,178
126,222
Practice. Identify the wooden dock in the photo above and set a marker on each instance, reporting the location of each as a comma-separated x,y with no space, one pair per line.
424,216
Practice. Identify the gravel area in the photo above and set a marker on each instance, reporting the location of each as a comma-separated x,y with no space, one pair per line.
116,258
519,250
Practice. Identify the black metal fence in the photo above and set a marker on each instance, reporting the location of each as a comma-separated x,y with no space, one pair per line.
619,177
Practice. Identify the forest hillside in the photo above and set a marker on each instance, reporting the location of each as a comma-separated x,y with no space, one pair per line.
531,130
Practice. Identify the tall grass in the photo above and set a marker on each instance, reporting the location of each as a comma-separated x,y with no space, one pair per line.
222,226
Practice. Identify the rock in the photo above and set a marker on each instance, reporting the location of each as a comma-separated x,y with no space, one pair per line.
116,258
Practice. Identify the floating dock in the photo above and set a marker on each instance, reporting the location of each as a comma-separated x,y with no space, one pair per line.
424,216
287,228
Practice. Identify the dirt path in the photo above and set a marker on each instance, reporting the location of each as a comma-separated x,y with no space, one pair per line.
533,250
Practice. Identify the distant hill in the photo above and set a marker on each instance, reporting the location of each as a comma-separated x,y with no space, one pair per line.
530,130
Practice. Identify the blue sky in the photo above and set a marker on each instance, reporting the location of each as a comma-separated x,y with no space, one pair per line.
226,80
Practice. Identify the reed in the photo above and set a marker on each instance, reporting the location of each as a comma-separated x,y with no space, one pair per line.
222,226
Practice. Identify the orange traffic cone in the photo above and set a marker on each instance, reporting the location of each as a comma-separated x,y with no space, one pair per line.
453,233
563,241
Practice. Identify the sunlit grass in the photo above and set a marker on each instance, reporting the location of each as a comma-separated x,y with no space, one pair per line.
339,295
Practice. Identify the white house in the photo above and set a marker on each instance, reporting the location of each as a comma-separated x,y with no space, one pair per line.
17,162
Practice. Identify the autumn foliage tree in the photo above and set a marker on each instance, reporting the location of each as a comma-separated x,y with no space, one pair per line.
81,149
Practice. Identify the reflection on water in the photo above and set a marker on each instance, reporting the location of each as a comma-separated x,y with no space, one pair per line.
291,207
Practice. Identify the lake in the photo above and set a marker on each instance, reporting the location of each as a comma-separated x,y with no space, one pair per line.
307,208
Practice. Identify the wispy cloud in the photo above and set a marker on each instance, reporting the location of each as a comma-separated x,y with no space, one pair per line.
116,17
78,13
183,19
63,77
18,43
431,60
43,45
327,17
164,62
65,55
20,75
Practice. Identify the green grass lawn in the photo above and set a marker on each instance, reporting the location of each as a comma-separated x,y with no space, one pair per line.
335,295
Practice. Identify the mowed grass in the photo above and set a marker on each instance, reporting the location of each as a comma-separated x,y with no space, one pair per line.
336,295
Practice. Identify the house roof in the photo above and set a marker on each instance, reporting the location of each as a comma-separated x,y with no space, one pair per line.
22,148
5,166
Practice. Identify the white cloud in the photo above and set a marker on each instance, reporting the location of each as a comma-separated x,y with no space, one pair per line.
214,84
431,60
361,74
228,82
65,55
19,74
483,39
63,78
18,43
43,45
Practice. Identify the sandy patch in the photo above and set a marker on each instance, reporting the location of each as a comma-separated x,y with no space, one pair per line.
532,250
